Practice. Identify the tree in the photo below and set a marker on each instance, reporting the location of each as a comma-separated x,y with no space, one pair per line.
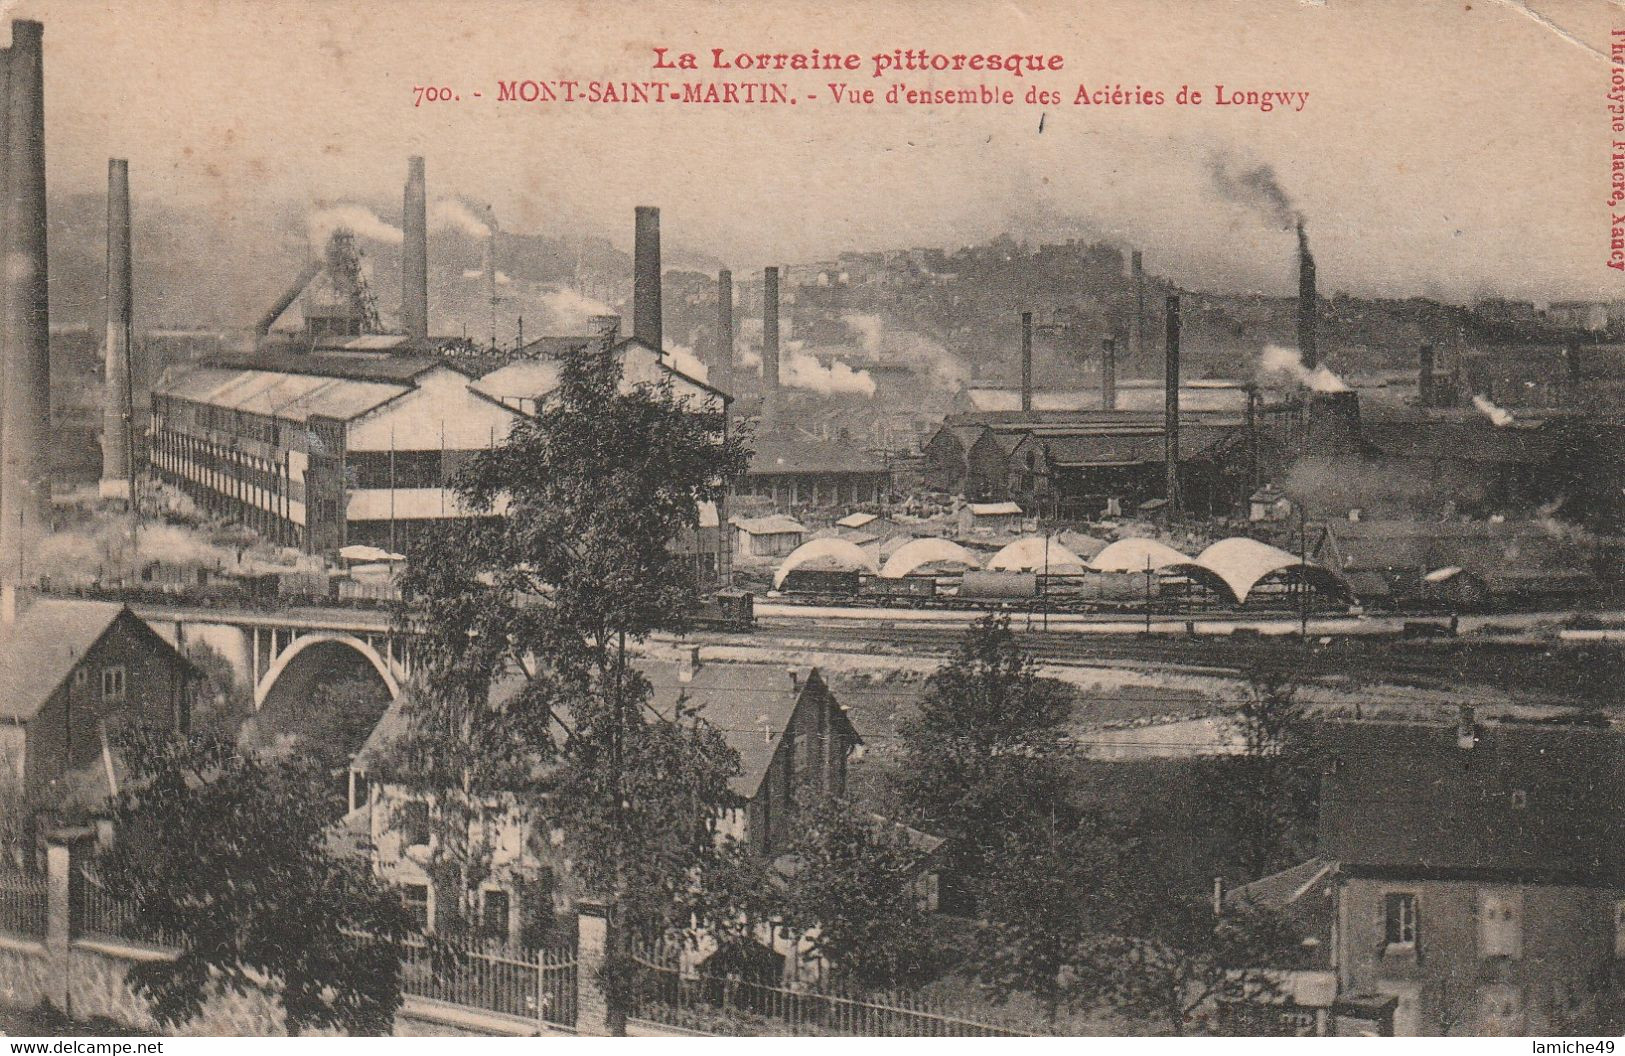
1266,795
1168,958
854,892
1044,914
226,855
569,562
985,752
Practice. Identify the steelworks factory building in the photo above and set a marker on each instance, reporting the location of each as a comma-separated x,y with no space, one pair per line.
324,451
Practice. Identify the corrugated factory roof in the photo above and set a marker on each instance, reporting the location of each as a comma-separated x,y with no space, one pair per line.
290,396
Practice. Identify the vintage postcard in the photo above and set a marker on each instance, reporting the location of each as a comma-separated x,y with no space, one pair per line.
700,518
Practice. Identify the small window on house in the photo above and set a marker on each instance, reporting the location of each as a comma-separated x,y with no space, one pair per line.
1500,924
112,683
416,897
80,677
412,819
1399,919
1520,799
494,913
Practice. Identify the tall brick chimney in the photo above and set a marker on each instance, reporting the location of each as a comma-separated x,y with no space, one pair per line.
722,366
770,329
1308,307
415,252
646,325
1026,361
1170,412
25,322
118,395
1137,327
1108,374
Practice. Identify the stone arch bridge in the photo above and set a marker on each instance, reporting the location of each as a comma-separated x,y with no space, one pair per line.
269,648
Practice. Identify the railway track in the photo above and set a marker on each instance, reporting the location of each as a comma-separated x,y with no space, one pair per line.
1434,664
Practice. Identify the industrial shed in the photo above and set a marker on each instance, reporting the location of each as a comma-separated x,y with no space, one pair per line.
830,554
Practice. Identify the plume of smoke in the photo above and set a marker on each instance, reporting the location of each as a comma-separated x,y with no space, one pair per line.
1278,362
502,278
450,214
915,350
1332,485
572,311
804,371
1499,415
684,359
748,341
357,219
1257,188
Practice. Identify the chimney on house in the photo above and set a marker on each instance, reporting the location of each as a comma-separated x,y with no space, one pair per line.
1466,728
646,325
689,664
1108,374
722,368
25,314
1308,307
770,329
1026,361
795,680
1424,376
118,391
415,253
1170,411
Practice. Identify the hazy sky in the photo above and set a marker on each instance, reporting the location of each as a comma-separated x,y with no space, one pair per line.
1447,148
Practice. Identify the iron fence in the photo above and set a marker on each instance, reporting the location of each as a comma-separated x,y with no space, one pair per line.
670,994
22,905
537,984
96,911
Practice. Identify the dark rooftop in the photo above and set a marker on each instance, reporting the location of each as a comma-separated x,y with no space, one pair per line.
1536,802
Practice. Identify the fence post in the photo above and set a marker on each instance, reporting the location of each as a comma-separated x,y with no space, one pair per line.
592,946
59,862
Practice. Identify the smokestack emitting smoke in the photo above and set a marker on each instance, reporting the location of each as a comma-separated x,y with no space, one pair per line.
1258,189
25,415
1285,363
722,364
646,325
1424,376
118,402
1026,361
1170,412
770,329
415,253
1308,308
1108,374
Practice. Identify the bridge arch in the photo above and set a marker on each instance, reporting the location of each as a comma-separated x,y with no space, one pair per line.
386,668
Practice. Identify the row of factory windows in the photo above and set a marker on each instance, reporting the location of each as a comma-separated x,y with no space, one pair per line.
177,453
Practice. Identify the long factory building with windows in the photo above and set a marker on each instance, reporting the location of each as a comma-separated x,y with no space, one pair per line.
321,451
